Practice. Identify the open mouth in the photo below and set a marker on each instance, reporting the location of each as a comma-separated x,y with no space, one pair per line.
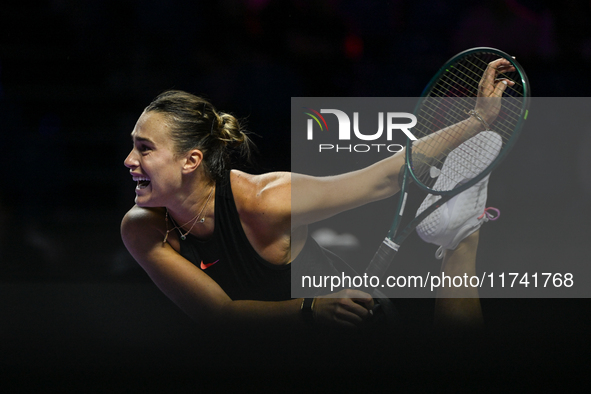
142,182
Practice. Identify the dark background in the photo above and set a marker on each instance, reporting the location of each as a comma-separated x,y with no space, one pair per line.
76,312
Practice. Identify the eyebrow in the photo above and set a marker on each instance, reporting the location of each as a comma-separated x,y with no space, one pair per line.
141,139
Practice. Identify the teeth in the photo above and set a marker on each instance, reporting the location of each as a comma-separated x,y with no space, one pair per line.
140,178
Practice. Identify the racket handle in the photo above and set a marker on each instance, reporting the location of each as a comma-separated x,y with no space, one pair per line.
382,259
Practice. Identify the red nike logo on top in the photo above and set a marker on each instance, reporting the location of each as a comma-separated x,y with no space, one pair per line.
206,266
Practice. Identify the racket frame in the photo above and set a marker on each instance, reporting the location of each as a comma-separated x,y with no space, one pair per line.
389,247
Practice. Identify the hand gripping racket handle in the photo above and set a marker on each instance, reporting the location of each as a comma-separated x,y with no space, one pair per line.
382,259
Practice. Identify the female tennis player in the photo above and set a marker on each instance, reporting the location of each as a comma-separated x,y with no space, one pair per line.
220,242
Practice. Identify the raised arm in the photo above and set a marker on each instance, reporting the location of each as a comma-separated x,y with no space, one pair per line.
486,110
315,199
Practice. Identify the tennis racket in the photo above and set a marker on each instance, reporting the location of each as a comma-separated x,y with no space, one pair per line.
460,117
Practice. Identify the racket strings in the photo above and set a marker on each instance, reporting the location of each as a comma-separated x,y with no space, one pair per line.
468,73
427,166
473,72
515,89
441,91
436,115
469,160
447,104
473,159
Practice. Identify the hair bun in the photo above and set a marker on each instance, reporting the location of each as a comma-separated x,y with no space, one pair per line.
230,131
195,123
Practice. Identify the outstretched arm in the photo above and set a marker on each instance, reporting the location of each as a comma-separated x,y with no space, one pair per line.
431,148
314,199
206,302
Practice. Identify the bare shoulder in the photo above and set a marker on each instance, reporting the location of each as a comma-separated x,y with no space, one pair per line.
263,199
141,225
138,216
261,181
254,190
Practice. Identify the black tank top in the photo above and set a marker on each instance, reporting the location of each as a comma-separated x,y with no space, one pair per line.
229,258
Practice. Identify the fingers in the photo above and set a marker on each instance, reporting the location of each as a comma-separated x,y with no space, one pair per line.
505,69
351,308
490,84
361,298
492,70
499,89
500,65
351,313
490,74
357,303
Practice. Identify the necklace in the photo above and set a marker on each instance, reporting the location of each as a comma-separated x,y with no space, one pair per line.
195,220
